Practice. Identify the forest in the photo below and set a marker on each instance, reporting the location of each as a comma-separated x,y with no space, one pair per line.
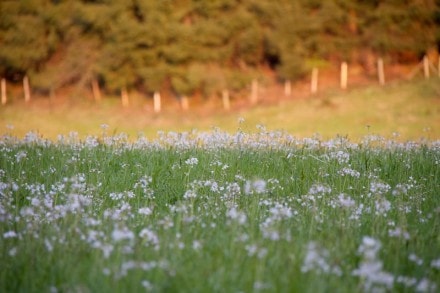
187,47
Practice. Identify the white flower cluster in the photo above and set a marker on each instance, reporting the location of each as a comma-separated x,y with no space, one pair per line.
317,260
192,161
255,187
371,268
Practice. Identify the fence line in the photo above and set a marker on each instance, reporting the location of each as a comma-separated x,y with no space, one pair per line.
425,66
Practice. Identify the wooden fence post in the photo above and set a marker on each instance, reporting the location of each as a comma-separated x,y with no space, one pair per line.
156,102
226,100
314,82
380,71
344,75
254,92
184,103
3,89
26,89
124,97
287,88
426,66
96,91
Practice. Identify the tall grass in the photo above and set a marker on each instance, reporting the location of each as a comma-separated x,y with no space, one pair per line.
218,212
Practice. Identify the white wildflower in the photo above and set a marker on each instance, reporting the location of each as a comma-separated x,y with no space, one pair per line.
341,156
254,250
192,161
435,263
382,206
10,234
400,189
316,260
236,215
106,249
48,245
12,251
190,194
150,236
406,281
147,285
414,258
91,142
369,247
319,189
257,186
196,245
251,249
377,187
345,201
122,234
398,232
116,195
426,285
258,286
146,211
370,269
20,156
349,172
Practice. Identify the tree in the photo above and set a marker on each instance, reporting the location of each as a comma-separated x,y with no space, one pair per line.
26,37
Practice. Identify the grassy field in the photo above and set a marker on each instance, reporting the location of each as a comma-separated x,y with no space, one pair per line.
219,212
411,109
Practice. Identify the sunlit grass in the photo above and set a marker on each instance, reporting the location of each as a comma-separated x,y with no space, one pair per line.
411,109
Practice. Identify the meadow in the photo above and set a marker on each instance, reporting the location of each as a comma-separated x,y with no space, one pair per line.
219,212
409,108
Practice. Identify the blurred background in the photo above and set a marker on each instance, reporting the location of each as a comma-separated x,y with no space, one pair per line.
344,67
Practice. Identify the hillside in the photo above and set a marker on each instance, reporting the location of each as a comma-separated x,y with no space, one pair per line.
201,48
411,109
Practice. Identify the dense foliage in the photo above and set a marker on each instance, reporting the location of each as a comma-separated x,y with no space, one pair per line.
204,46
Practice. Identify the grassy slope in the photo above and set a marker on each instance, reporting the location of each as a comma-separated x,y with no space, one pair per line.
411,109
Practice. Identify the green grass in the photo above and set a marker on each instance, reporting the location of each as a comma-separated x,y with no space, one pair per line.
226,213
411,109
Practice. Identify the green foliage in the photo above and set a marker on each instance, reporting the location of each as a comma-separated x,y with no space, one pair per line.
154,44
